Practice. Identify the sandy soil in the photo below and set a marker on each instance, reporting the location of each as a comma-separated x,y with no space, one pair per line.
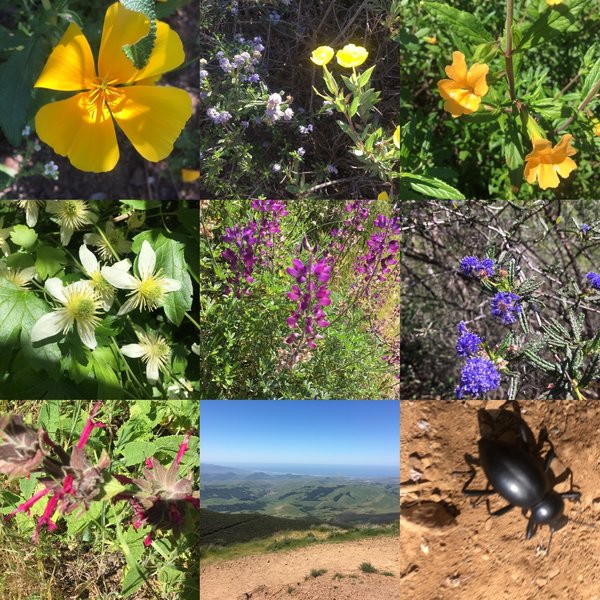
270,575
450,549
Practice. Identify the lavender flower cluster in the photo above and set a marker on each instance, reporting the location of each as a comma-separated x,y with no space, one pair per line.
310,294
273,111
250,241
471,266
383,247
594,279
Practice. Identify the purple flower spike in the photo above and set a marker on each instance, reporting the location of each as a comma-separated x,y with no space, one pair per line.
468,343
298,271
478,376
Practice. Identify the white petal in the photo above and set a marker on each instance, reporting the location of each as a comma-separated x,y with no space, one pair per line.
65,235
88,260
47,326
119,278
5,247
28,273
146,260
55,288
152,371
123,265
31,214
133,350
87,334
170,285
128,306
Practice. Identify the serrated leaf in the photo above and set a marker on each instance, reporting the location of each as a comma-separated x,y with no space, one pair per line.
592,78
462,24
21,308
432,187
136,452
49,260
553,21
17,76
170,258
139,52
23,236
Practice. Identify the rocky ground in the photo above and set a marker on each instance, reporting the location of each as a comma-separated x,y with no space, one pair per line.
450,549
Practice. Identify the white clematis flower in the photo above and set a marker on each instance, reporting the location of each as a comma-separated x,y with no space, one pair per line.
113,239
81,306
32,208
153,349
149,289
71,215
91,267
20,277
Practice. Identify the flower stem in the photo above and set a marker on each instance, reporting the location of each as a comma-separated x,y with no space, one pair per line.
583,104
510,74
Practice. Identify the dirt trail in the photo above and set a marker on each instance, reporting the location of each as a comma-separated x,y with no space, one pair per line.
270,575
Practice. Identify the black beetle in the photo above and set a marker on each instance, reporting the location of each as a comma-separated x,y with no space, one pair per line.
516,473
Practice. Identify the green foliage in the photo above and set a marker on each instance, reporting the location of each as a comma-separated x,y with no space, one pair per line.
462,23
367,567
139,52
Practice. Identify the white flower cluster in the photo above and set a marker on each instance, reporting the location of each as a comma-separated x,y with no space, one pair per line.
273,112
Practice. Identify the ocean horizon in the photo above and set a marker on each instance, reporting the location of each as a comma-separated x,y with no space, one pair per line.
362,471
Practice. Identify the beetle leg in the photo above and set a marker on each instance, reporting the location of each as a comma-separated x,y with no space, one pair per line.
500,511
571,495
531,529
549,457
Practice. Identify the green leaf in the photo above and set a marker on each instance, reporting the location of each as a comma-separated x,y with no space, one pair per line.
330,82
432,187
353,107
23,236
109,385
135,453
49,260
365,77
171,259
21,308
461,23
139,52
553,21
141,204
17,76
593,77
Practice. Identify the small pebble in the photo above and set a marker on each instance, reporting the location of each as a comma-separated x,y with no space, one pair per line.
541,581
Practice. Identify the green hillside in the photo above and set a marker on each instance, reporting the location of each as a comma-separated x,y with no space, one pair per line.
222,529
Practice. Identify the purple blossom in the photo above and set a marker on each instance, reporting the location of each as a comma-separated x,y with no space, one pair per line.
471,266
301,151
506,307
478,376
274,206
383,247
594,279
331,169
305,130
254,78
585,228
218,117
468,343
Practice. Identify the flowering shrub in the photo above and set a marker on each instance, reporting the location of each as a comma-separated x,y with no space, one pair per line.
510,103
299,299
264,130
95,294
93,475
526,311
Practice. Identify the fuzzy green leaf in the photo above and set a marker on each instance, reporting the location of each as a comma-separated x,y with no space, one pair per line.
23,236
432,187
463,24
139,52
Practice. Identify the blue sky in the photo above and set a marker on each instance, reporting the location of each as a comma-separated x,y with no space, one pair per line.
338,432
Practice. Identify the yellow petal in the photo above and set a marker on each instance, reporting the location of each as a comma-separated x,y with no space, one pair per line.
530,172
152,118
458,69
76,129
547,176
70,66
564,146
476,78
396,137
322,55
123,26
351,56
189,175
566,167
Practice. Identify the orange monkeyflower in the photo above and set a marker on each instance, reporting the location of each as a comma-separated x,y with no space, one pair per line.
546,163
462,93
81,127
597,129
189,175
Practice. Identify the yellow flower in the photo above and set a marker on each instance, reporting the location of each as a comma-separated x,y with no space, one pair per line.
396,137
189,175
553,2
351,56
81,127
431,39
462,93
383,196
597,129
322,55
545,163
